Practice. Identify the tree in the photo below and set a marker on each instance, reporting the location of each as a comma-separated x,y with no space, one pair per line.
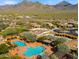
47,37
3,26
63,48
60,41
75,56
13,31
41,38
29,36
53,56
10,57
4,48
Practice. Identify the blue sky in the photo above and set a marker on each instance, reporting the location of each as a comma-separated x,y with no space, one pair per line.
49,2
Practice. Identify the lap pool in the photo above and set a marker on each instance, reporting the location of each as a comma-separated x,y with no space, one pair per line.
34,51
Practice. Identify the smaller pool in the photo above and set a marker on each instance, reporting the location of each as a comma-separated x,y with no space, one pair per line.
34,51
19,43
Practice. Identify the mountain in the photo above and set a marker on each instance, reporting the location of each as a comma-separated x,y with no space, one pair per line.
25,7
66,6
29,7
64,3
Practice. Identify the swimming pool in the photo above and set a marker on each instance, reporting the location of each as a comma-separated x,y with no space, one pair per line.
34,51
19,43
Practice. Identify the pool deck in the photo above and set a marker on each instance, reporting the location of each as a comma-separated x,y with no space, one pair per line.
19,50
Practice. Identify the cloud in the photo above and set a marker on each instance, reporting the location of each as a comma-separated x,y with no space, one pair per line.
50,2
9,2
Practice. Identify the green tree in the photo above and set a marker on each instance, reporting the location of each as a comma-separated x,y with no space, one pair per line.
4,48
12,31
3,26
60,41
63,48
29,36
75,56
11,57
53,56
41,38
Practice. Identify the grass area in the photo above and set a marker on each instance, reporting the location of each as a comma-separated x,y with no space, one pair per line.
11,57
49,15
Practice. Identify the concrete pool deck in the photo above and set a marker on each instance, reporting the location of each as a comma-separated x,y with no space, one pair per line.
19,50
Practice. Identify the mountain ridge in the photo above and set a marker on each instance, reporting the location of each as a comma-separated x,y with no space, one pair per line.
24,7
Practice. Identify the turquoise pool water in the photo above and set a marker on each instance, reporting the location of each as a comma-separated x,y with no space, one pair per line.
19,43
34,51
